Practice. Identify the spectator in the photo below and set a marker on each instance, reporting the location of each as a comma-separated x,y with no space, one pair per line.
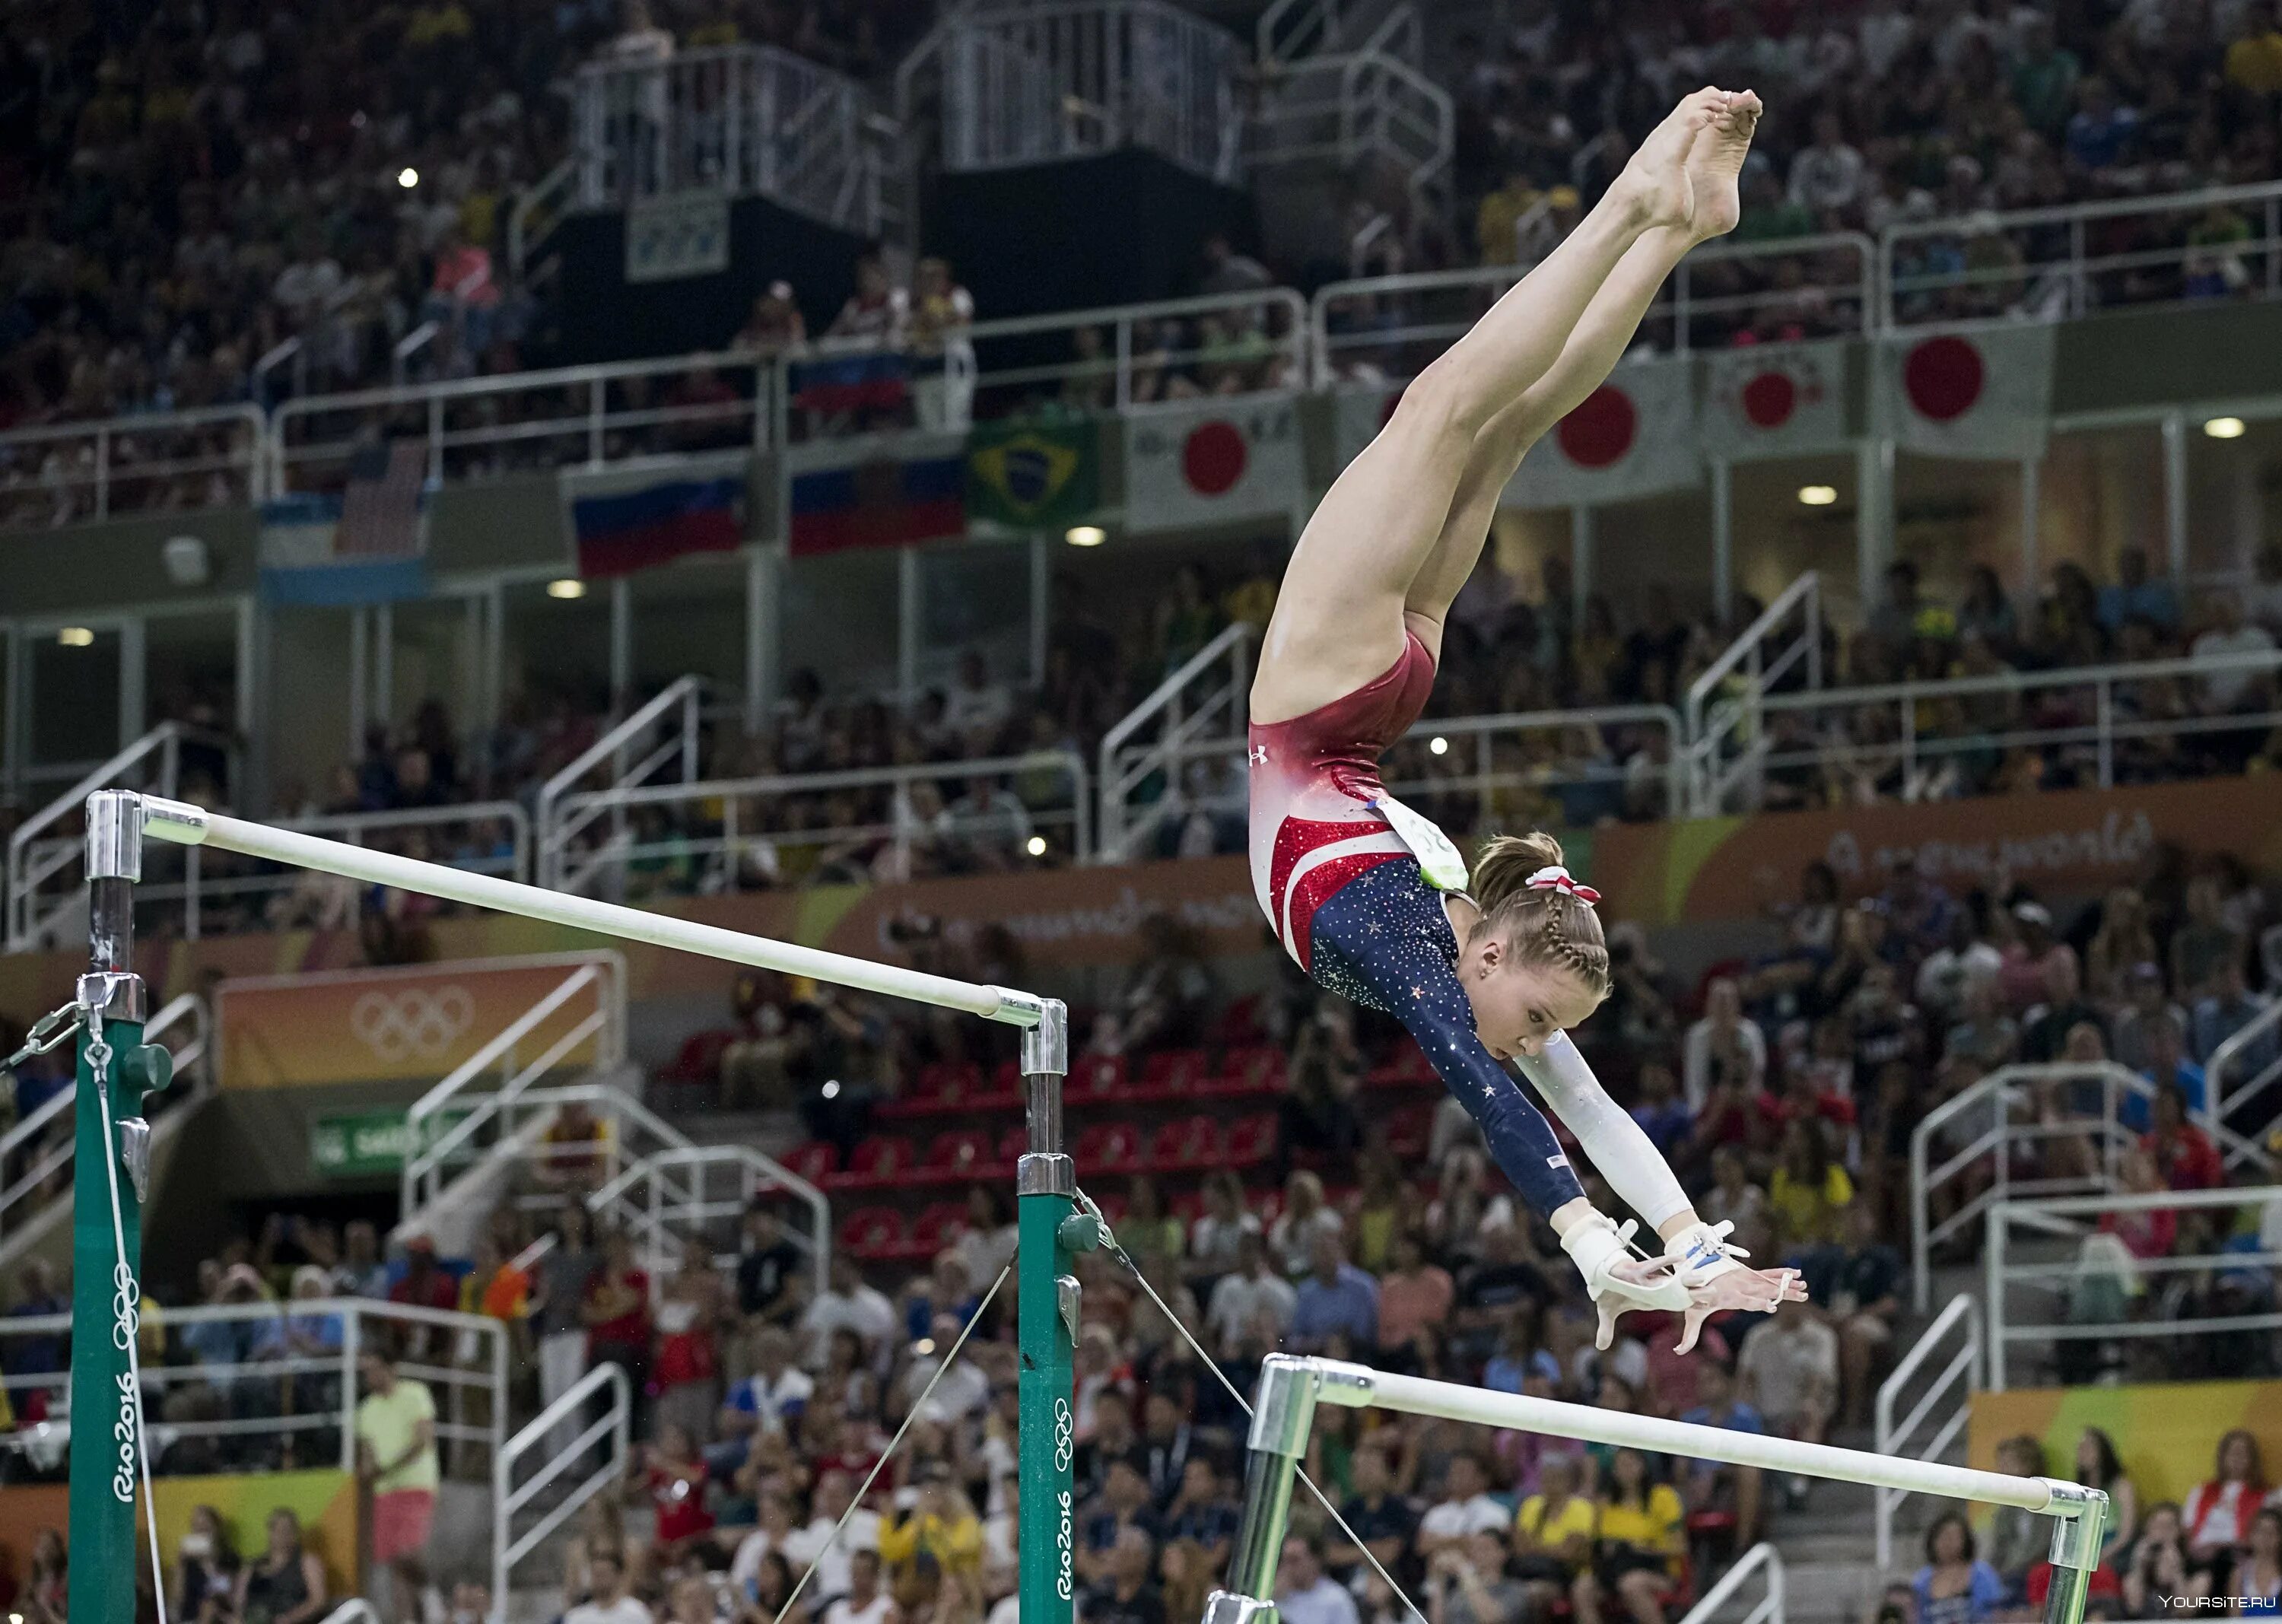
836,1552
1639,1543
2028,958
1464,1510
2148,1010
1199,1511
1788,1373
616,1312
1467,1584
286,1584
1553,1530
1337,1304
1125,1594
1807,1198
1292,1238
2216,1520
2097,1466
2206,943
2157,1566
611,1602
848,1304
1415,1295
1382,1519
2122,943
1216,1234
767,1262
2223,1011
362,1272
939,1526
1305,1594
1955,1587
206,1569
2183,1153
2018,1539
1962,961
1723,1046
2243,685
775,326
1717,1485
2064,1010
1253,1290
1871,1281
397,1464
47,1585
1829,175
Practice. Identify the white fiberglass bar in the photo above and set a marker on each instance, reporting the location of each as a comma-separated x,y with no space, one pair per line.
1356,1385
191,826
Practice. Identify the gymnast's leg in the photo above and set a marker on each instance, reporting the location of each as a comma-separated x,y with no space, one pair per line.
1339,621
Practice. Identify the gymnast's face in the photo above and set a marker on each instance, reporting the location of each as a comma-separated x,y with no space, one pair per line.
1517,1006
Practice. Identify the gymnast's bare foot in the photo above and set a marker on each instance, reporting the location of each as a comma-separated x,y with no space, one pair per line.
1655,185
1715,165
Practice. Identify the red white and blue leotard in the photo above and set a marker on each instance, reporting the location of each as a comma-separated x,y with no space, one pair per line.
1347,900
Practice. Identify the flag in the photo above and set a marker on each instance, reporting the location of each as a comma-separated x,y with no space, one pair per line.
368,545
1033,475
1633,437
650,513
1359,411
890,490
1984,393
1206,462
1773,400
874,380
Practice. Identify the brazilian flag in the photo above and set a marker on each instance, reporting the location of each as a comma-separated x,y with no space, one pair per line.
1033,475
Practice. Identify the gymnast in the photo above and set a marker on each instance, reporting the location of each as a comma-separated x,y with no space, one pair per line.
1372,900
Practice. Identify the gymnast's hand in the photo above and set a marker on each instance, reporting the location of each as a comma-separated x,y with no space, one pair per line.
1718,1283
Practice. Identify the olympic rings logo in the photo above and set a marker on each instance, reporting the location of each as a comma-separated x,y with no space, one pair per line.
397,1026
126,1308
1065,1435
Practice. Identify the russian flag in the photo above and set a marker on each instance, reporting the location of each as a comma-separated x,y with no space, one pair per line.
637,529
883,502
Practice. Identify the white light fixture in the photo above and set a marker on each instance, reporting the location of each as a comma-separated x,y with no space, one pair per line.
1036,846
186,561
1085,535
832,1089
2224,428
1818,495
1439,745
924,1347
407,177
566,589
76,637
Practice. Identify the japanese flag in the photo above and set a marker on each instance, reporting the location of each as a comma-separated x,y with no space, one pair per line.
1773,400
1191,463
1635,436
1986,392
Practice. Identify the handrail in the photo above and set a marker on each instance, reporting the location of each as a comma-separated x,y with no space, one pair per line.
2217,1103
1772,1608
2061,1216
508,1497
1231,646
2000,1092
357,1608
760,1168
683,694
165,741
1892,1439
110,468
1806,591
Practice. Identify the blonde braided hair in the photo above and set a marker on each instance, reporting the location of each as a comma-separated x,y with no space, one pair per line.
1543,925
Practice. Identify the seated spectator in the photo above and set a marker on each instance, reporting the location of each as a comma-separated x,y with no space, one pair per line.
1554,1529
1381,1517
2063,1009
2156,1563
1121,1508
848,1304
205,1569
1722,1045
1660,1113
1962,962
2223,1011
1305,1594
2024,978
1201,1511
938,1525
837,1560
1167,1441
1788,1373
775,325
769,1538
2145,1232
1807,1198
2257,1581
2122,943
611,1600
864,1601
1466,1583
2183,1153
770,1398
1639,1543
767,1263
674,1475
1521,1352
2147,1008
1955,1587
2204,943
2098,1466
1735,1198
1983,1034
1216,1233
1414,1296
1123,1591
1866,1301
286,1583
1717,1485
2134,595
1292,1238
2240,687
1464,1510
1336,1303
1250,1290
2219,1513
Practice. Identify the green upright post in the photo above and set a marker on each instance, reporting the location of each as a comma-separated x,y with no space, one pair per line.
1046,1306
114,1068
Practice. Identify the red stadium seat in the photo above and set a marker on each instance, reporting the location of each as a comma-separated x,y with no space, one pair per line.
1109,1147
1172,1071
1186,1142
872,1232
1408,1128
936,1227
964,1153
1096,1077
1251,1139
816,1160
1013,1145
1261,1066
1406,1066
880,1160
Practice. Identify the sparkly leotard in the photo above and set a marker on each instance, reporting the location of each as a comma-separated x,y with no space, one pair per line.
1347,900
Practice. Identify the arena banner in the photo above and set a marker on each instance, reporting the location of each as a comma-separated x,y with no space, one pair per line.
2070,843
2166,1434
325,1501
394,1025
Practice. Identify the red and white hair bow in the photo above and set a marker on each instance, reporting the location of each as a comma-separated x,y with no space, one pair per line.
1557,879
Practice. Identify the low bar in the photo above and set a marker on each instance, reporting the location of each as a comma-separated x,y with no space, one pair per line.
182,824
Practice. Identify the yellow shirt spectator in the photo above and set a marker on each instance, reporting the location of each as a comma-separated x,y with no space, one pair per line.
1653,1527
1497,220
1575,1517
952,1536
2254,63
1807,1216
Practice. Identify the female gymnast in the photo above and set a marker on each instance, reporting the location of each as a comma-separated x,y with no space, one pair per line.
1369,898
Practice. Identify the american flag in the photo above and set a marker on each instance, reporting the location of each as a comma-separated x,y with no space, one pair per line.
380,510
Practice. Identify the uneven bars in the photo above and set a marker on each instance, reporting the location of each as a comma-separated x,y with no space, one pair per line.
184,825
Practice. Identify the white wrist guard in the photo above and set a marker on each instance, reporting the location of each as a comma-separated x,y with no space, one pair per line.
1701,1251
1596,1246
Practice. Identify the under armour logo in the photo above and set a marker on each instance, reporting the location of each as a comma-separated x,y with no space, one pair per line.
1260,755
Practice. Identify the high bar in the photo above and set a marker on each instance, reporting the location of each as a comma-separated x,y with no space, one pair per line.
1357,1385
185,825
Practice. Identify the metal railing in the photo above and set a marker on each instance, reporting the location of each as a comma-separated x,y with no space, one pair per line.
666,732
35,1169
289,1374
75,471
712,836
1043,82
1291,31
1930,739
1937,1417
1762,1562
1823,286
1990,1111
2221,1105
2054,1268
589,416
441,1156
733,120
38,861
602,1449
1725,736
1205,698
717,1183
356,1610
1350,106
2064,261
